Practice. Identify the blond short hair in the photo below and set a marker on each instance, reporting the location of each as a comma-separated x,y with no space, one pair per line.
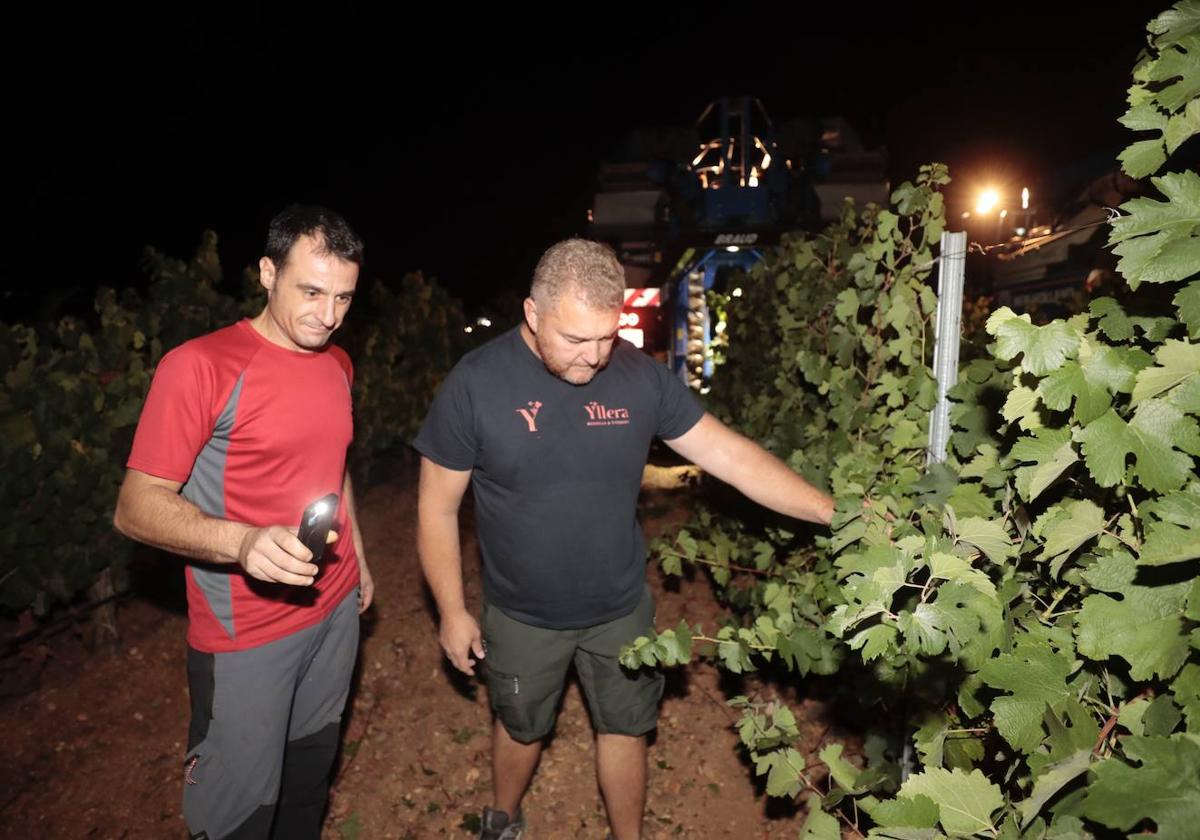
589,270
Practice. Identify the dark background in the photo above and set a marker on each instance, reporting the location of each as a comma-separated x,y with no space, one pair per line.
463,143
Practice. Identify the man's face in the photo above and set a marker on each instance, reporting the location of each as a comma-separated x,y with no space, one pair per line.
308,297
574,341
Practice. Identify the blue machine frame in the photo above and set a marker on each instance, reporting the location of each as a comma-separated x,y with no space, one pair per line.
708,265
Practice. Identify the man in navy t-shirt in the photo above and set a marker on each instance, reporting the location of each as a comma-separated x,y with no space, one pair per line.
551,424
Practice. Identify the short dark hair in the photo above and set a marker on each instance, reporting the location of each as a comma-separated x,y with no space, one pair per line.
296,220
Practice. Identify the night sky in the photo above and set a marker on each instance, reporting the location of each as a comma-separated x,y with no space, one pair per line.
463,145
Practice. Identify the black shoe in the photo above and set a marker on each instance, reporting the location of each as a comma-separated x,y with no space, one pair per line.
496,825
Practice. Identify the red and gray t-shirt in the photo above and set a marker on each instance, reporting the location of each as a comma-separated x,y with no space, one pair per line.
556,473
255,432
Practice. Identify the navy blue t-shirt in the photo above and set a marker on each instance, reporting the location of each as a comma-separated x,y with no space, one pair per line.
556,473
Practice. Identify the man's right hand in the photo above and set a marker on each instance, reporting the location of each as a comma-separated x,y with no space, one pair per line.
460,638
276,555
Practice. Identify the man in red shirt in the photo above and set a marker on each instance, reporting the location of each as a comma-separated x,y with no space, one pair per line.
242,429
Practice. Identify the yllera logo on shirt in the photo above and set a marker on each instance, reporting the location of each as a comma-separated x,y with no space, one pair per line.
601,415
530,414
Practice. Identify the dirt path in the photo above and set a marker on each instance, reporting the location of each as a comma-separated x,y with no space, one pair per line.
94,751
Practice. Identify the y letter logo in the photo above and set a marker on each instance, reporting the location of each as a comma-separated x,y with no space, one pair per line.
530,414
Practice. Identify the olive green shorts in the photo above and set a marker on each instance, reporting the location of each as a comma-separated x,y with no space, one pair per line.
527,668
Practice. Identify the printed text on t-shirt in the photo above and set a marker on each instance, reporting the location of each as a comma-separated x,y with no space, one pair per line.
601,415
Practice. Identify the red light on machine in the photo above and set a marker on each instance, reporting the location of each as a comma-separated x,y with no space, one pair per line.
641,298
633,325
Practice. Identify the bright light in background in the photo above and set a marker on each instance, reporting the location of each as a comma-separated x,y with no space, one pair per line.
737,292
967,214
733,249
468,329
987,202
483,322
1003,214
754,180
1025,198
